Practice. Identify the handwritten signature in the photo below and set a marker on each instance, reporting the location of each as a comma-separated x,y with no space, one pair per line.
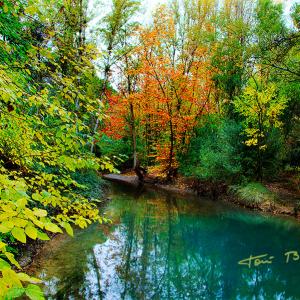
263,259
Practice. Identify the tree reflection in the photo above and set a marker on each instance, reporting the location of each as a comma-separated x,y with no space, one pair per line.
171,254
166,247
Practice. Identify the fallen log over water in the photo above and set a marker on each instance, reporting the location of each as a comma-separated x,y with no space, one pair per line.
132,179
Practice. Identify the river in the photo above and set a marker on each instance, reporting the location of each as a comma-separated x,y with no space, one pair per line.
164,246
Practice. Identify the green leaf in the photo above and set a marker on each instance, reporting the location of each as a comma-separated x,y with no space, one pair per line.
14,292
43,236
4,264
19,234
34,292
31,232
68,228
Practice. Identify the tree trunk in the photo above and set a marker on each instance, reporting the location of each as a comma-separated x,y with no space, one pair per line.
170,170
133,136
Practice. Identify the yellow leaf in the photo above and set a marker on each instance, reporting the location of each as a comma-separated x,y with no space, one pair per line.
18,222
21,203
38,223
4,229
52,227
27,278
12,277
19,234
31,10
8,224
68,228
31,232
39,212
11,258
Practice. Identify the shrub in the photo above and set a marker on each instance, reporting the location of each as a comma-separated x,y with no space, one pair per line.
214,151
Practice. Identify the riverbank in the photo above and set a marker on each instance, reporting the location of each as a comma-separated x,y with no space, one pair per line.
273,197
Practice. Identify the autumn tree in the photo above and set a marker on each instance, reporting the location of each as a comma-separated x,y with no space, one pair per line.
173,88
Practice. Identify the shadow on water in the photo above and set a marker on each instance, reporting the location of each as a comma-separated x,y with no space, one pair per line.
163,246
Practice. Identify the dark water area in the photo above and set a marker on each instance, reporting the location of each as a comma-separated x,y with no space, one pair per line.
163,246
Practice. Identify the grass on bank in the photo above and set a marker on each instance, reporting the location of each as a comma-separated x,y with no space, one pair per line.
254,194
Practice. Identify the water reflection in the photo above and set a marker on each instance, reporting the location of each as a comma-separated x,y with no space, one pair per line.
165,247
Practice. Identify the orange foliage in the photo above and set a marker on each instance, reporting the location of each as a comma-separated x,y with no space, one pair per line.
173,91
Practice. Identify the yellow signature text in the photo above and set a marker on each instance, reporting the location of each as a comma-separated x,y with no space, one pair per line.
256,260
266,259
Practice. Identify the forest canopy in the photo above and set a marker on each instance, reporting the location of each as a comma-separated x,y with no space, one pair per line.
231,67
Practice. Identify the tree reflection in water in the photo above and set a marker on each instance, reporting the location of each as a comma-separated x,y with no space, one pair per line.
162,246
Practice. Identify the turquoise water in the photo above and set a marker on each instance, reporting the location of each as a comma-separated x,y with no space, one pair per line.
162,246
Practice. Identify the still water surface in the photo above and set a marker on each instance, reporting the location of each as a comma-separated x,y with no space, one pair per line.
163,246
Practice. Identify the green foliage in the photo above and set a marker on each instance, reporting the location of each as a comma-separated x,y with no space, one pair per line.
270,22
230,57
253,194
272,158
214,151
117,150
296,15
119,17
47,106
91,185
113,147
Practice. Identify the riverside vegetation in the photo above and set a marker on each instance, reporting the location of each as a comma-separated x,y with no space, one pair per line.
208,90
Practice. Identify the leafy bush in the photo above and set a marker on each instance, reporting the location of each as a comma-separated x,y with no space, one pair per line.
214,151
112,147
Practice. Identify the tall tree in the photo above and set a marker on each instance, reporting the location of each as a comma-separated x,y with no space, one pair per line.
114,28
